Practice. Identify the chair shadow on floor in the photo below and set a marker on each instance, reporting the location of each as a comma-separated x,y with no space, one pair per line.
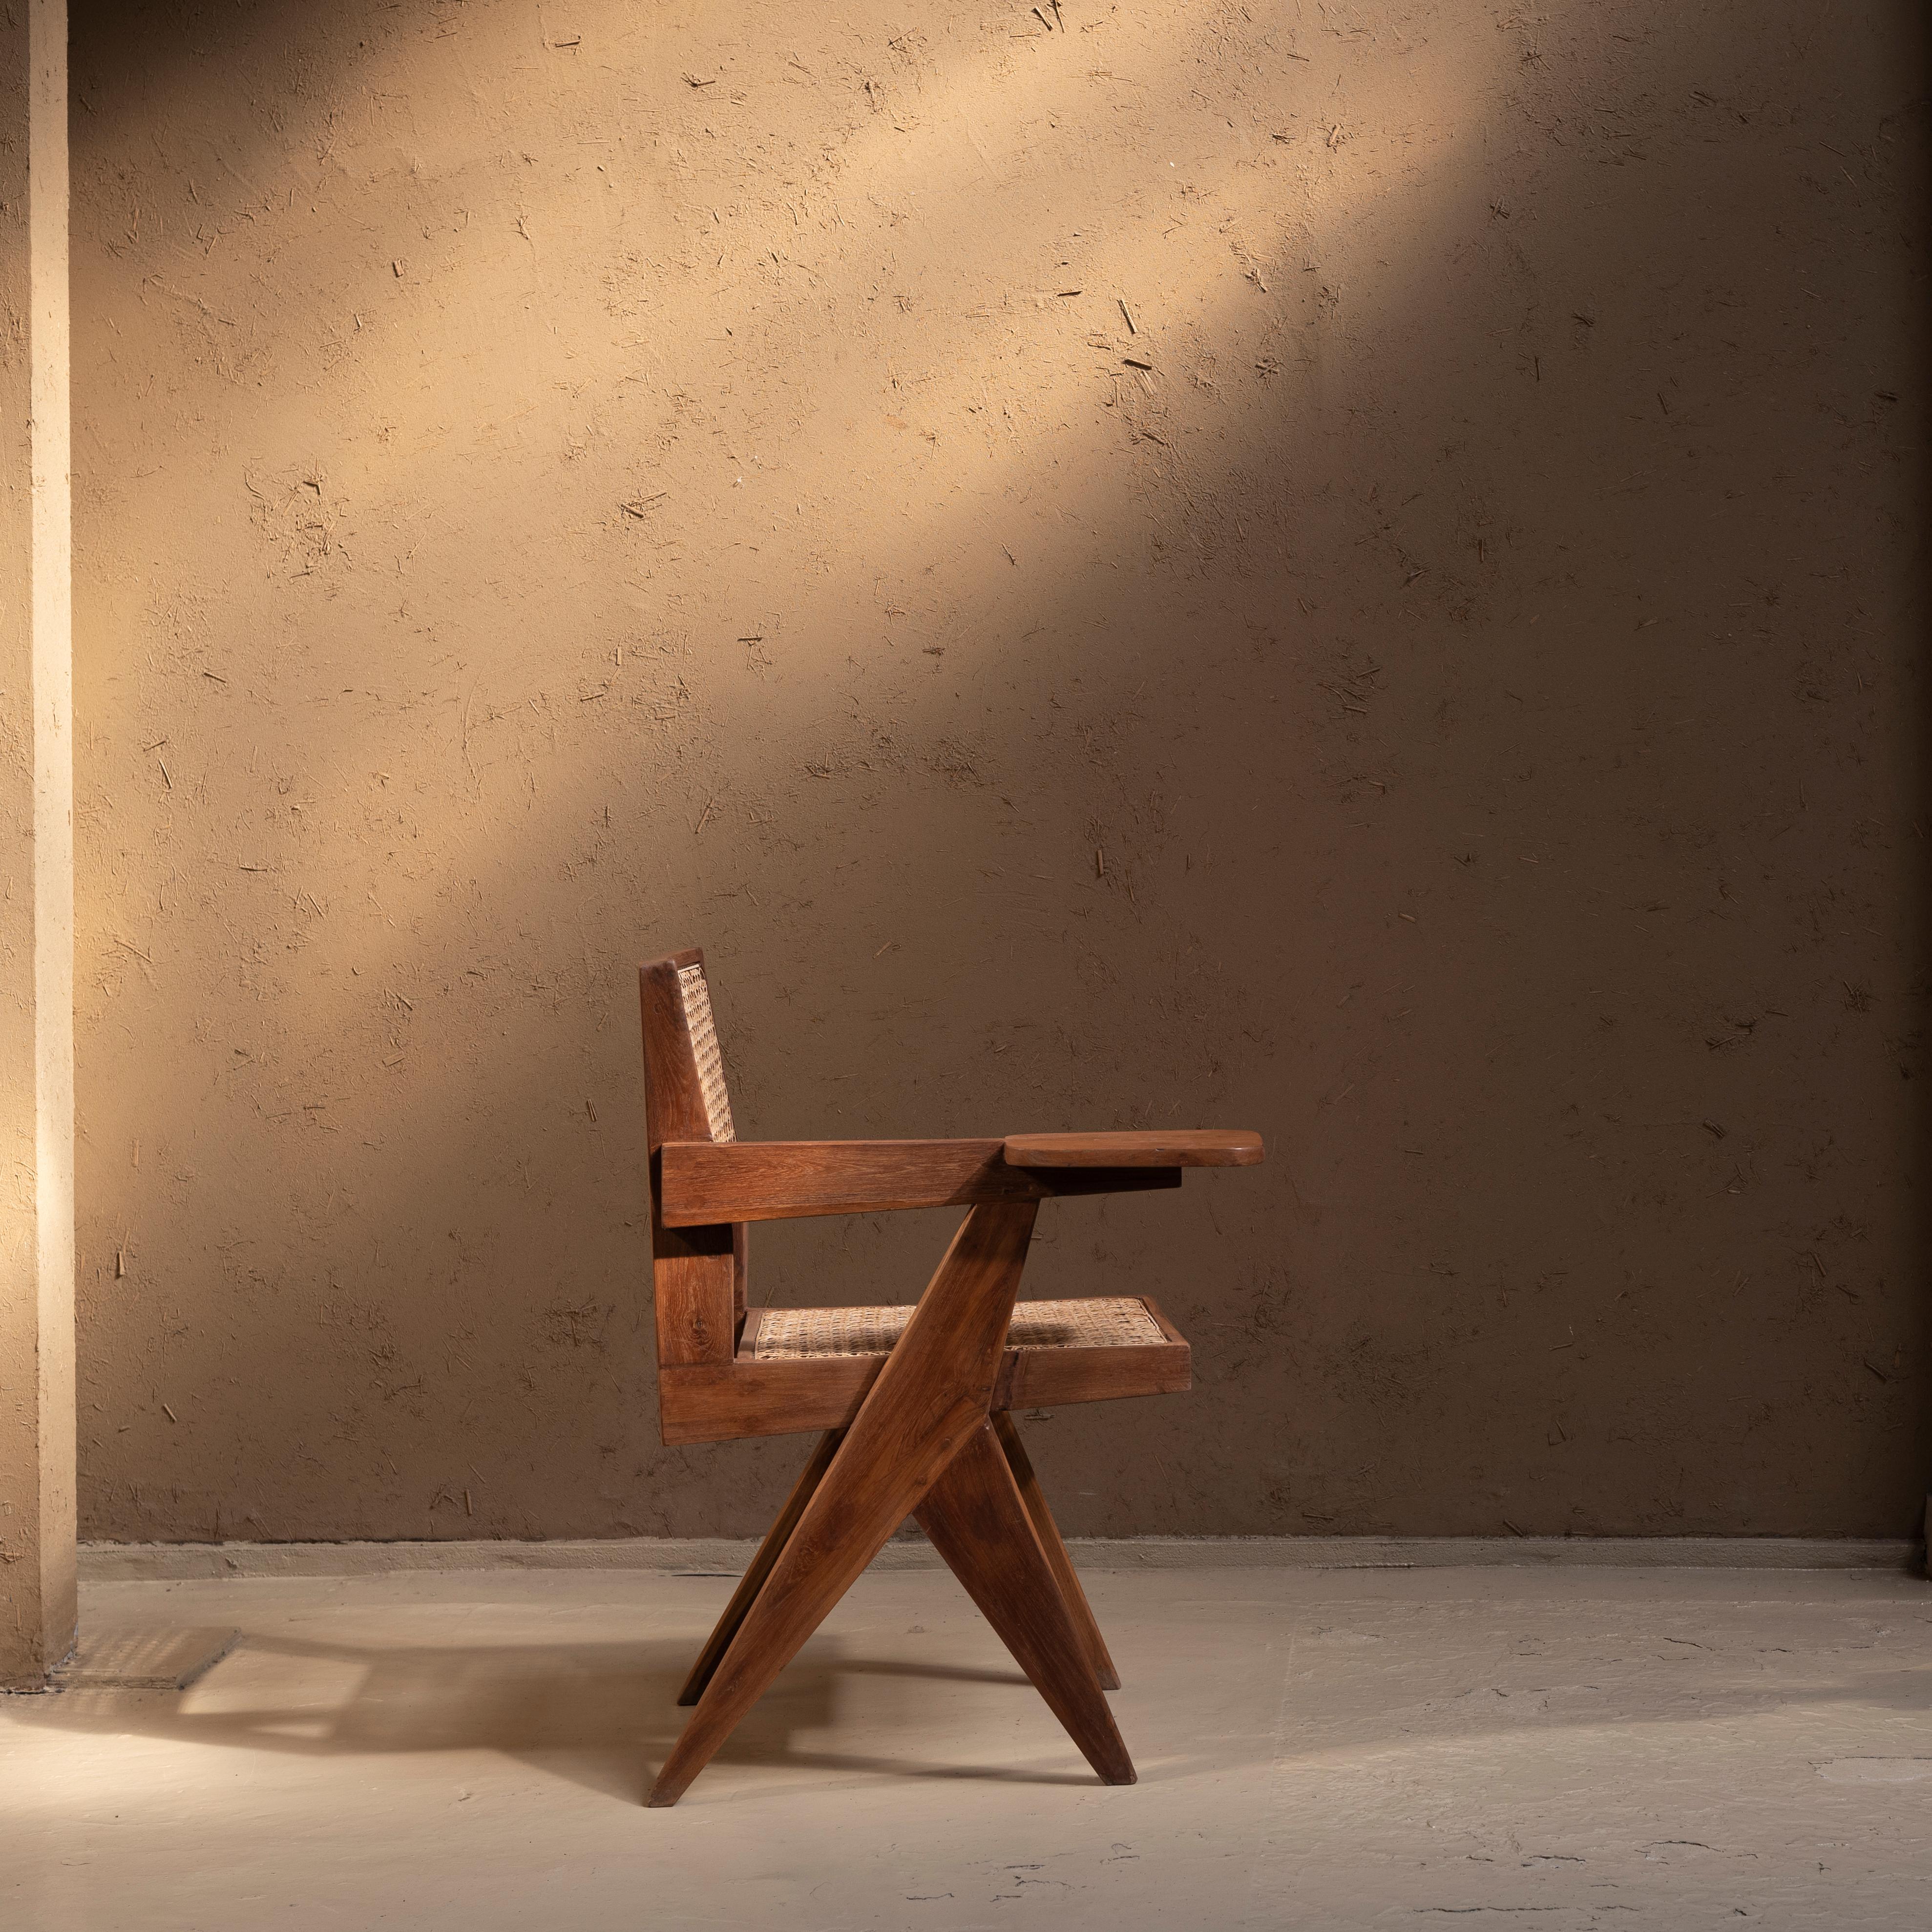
604,1715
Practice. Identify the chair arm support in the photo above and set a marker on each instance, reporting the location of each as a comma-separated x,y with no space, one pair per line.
702,1182
1174,1146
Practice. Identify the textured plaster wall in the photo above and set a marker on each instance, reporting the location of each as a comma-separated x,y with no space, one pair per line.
1351,569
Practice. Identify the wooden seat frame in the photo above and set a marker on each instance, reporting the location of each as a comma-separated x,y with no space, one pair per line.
923,1431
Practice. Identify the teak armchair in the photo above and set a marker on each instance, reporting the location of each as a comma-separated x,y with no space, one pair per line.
912,1401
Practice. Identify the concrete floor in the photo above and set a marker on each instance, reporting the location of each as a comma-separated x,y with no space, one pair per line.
1674,1749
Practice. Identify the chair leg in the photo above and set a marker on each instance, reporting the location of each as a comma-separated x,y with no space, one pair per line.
1048,1530
754,1578
979,1522
931,1397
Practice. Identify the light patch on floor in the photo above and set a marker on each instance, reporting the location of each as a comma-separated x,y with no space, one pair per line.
156,1657
1337,1749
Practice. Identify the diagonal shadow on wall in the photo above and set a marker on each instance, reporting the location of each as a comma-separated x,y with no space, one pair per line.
1452,710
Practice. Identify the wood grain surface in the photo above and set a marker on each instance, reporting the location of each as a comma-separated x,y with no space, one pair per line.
978,1523
770,1180
1179,1147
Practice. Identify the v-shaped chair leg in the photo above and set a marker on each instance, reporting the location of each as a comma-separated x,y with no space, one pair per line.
753,1580
979,1522
1078,1607
931,1397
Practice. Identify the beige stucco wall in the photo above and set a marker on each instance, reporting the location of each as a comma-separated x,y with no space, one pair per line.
561,483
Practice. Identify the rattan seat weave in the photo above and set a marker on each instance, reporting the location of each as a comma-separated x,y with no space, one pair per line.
806,1334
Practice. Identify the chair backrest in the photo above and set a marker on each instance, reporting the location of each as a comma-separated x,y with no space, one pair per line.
698,1273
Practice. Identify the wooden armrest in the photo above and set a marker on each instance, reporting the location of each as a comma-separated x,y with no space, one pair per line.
703,1182
1180,1147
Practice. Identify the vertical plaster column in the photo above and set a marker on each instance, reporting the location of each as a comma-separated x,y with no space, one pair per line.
37,1401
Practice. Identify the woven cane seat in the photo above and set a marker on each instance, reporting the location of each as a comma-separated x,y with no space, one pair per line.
703,1027
812,1334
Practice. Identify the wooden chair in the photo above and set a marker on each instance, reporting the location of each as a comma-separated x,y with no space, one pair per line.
913,1402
